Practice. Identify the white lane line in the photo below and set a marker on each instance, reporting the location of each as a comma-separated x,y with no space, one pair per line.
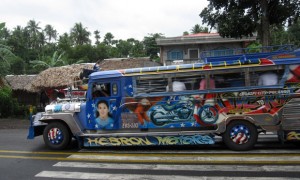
236,168
104,176
190,158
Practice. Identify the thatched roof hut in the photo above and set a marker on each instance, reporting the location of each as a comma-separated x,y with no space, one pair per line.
126,63
60,77
22,89
21,82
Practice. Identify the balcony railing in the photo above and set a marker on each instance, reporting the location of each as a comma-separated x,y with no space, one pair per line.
183,61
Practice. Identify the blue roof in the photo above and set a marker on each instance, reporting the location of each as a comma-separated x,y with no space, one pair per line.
105,74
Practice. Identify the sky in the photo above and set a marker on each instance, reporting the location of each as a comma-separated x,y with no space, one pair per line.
123,18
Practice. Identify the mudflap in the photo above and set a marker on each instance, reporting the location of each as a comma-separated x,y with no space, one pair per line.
158,140
31,128
31,132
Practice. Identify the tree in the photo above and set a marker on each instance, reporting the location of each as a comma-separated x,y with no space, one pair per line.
97,37
50,33
47,62
294,32
108,38
243,18
80,35
34,33
185,33
198,29
151,46
4,32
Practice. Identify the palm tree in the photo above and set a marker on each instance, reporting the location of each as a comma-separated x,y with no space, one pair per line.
50,32
33,27
198,29
80,35
5,52
47,61
108,38
33,30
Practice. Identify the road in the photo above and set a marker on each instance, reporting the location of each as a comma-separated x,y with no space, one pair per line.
30,159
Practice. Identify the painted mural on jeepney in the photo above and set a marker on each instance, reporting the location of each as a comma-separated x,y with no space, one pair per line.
198,110
188,111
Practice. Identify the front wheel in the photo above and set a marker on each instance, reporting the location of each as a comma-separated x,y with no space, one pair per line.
57,136
240,135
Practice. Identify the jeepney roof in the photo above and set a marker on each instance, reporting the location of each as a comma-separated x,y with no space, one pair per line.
105,75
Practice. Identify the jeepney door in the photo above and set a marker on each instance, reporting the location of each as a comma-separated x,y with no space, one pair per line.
103,104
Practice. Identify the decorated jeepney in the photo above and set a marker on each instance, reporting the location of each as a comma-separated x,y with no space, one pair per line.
145,106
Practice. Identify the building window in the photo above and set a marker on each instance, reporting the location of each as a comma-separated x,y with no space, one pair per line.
193,53
175,55
222,51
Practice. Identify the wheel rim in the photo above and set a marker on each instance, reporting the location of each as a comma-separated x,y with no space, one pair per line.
209,114
240,134
55,136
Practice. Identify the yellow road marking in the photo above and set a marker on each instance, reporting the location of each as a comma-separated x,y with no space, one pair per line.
155,161
155,154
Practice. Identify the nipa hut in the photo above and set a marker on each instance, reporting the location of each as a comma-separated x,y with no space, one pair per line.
59,77
22,89
126,63
64,76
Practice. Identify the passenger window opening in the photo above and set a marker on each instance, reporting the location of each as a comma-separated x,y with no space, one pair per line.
101,90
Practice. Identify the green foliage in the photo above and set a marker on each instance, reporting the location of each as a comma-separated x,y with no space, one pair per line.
47,61
17,66
80,35
6,102
108,39
242,18
150,45
198,29
2,25
294,32
9,106
254,47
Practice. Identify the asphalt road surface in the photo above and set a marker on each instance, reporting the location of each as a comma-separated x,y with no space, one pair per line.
30,159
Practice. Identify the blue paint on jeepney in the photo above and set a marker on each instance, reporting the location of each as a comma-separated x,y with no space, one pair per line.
96,76
148,140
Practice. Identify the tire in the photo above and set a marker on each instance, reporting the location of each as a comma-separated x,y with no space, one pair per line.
57,136
240,135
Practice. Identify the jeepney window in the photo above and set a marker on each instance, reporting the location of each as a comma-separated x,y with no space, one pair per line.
151,83
101,90
229,79
266,76
185,81
114,89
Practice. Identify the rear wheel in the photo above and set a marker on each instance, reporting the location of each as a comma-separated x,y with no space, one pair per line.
240,135
57,136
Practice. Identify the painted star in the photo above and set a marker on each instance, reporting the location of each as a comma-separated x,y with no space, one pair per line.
182,125
88,115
